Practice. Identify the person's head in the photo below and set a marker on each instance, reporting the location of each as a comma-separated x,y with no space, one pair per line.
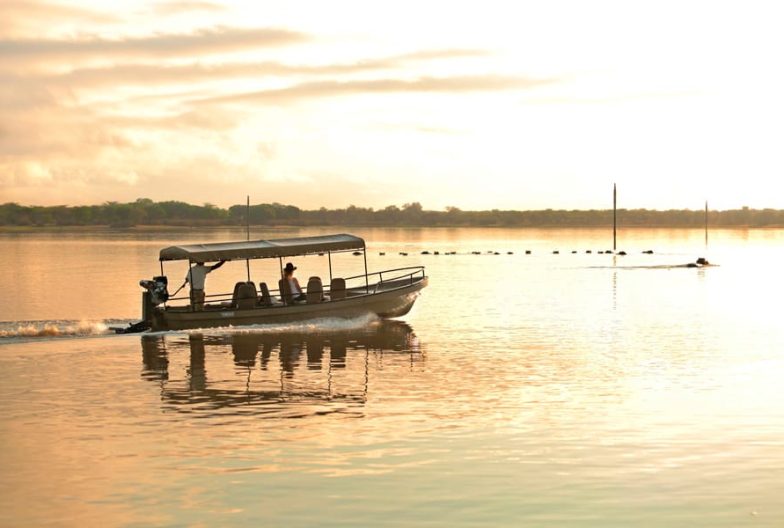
200,263
288,271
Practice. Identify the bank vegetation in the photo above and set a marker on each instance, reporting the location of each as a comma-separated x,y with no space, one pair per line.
145,212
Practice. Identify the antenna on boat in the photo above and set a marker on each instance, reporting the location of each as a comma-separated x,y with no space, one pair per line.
615,217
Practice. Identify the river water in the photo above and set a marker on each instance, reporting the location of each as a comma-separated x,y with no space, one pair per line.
541,389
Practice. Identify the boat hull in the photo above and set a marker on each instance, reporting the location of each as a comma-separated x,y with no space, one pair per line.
389,300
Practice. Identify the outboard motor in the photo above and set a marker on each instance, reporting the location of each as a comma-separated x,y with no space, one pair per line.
157,288
155,293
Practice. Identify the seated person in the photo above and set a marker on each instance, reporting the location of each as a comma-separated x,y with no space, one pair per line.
296,289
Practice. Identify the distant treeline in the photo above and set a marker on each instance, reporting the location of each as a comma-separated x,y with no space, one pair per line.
147,212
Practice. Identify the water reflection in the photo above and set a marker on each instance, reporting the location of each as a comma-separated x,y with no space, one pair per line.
289,374
155,359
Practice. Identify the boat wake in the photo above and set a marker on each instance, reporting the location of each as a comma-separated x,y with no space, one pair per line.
28,330
51,329
322,325
657,267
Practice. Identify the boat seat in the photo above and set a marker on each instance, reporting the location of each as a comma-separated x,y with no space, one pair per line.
244,295
315,290
265,297
236,292
337,290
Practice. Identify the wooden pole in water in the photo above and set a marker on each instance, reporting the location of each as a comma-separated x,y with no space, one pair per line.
706,223
247,230
615,217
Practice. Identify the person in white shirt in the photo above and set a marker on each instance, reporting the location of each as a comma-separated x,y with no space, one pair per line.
196,277
296,289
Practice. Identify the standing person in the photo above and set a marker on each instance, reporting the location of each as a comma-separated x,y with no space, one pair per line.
196,277
294,287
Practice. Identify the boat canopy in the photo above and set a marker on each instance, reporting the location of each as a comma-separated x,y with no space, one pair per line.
257,249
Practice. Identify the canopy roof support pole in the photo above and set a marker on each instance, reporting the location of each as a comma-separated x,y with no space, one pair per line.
280,260
191,304
329,256
367,286
162,274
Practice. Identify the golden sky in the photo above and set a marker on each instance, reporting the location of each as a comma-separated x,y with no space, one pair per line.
474,104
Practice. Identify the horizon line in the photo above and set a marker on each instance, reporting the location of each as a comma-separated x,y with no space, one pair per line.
400,207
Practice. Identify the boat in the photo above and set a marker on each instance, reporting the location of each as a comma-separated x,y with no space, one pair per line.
385,294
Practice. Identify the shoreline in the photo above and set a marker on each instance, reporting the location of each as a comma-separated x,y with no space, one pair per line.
164,227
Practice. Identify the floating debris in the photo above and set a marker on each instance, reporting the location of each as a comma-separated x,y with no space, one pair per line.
648,252
382,253
527,251
402,253
588,251
622,253
556,252
510,252
425,253
357,253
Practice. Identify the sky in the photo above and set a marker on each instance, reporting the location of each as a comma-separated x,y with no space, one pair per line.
470,104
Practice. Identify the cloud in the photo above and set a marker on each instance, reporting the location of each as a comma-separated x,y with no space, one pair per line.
176,8
316,89
188,120
89,112
641,97
16,94
165,45
134,74
444,54
28,16
57,133
48,176
156,73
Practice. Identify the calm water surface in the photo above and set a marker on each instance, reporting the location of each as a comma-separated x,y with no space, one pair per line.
522,390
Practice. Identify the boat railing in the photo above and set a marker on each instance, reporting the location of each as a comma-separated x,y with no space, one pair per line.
357,283
407,275
218,299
